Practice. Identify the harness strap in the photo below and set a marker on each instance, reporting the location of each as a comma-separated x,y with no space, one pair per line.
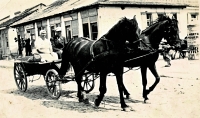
91,49
93,59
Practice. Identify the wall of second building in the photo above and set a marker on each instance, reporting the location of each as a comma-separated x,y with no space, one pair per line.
13,45
4,43
7,42
109,16
107,19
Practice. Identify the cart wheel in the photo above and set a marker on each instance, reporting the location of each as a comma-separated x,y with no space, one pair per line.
87,83
53,86
20,77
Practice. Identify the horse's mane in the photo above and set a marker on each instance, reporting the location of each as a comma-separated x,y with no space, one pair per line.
117,25
152,26
117,28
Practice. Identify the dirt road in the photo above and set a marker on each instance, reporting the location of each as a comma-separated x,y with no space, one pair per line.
176,96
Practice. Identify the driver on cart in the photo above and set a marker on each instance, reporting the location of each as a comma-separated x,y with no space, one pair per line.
43,47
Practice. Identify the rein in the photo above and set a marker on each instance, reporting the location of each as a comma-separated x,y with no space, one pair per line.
141,56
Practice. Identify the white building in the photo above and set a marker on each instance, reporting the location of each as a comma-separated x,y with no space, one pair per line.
93,18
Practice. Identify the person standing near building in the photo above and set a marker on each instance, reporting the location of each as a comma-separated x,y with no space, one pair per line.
28,47
58,42
166,52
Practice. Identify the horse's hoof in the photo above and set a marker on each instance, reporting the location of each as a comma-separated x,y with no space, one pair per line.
96,107
86,101
145,99
80,100
127,109
97,103
127,97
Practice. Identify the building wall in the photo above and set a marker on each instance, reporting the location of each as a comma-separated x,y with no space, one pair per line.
107,19
4,42
12,34
109,16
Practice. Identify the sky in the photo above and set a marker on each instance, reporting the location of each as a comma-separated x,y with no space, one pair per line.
8,7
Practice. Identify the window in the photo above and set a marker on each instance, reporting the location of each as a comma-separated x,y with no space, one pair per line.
52,31
39,29
160,15
0,41
149,19
74,28
68,32
7,44
86,30
194,17
175,15
94,30
89,20
58,25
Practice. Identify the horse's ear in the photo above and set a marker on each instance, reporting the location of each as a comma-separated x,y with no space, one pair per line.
173,17
134,17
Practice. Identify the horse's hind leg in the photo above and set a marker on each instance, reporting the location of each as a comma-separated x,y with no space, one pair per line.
81,94
102,88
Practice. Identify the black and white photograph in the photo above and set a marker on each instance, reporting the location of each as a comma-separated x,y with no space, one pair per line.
99,58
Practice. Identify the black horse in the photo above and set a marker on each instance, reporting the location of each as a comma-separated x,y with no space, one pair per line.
148,52
102,56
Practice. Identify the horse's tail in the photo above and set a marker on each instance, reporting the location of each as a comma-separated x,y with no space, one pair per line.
65,63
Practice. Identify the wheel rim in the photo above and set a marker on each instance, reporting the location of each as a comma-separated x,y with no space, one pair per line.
53,86
87,83
20,78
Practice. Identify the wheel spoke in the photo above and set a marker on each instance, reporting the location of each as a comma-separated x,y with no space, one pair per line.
86,86
51,82
21,85
89,84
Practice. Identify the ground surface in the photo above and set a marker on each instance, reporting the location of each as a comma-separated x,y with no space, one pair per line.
176,96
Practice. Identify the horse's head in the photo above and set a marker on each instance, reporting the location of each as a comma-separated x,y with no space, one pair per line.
125,30
171,30
132,30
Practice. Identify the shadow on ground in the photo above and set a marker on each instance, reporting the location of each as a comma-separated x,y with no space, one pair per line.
69,101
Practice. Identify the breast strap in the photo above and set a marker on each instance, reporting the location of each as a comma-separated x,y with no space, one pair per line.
92,49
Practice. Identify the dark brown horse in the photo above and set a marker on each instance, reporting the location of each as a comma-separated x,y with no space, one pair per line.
148,52
101,56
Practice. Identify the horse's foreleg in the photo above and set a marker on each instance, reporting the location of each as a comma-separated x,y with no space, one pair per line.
144,82
121,89
102,88
126,93
152,68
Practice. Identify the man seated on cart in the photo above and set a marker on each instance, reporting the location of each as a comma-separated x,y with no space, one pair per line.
58,42
43,48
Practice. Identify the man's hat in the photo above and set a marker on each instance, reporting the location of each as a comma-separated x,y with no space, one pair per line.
42,32
58,29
